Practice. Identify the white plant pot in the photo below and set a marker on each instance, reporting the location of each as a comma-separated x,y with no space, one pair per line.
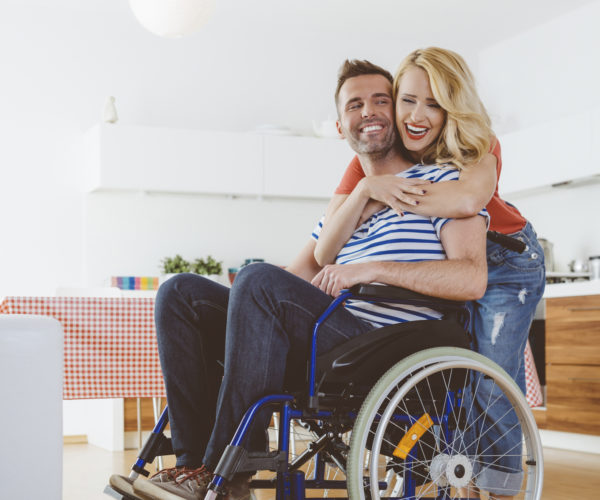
214,277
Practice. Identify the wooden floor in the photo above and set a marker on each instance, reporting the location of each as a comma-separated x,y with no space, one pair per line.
568,475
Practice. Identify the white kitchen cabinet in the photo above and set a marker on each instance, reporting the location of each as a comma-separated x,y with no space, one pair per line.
135,158
550,153
304,166
173,160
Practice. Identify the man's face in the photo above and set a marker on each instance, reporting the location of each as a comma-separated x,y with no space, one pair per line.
366,114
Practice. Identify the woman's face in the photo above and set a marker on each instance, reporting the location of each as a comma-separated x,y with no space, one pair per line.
419,117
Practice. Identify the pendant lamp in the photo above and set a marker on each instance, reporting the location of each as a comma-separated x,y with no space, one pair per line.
172,18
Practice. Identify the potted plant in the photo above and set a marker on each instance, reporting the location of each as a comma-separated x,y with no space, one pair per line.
170,266
208,267
174,265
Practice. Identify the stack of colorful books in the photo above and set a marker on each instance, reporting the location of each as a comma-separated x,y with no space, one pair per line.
135,282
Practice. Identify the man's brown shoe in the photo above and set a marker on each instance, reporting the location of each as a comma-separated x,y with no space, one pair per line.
122,485
174,484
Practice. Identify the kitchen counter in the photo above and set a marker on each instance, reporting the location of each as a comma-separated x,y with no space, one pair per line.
576,288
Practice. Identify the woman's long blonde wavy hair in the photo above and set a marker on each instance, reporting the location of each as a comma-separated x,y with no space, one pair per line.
467,133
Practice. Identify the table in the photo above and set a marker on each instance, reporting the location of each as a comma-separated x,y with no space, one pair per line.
534,389
110,346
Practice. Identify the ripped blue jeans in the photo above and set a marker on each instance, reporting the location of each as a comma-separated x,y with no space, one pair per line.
500,321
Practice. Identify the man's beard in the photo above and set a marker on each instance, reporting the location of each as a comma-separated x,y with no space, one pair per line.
372,147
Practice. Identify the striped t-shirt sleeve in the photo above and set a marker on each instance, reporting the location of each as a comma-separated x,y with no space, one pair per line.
317,230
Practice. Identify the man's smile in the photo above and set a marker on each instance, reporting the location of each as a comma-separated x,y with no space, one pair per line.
370,128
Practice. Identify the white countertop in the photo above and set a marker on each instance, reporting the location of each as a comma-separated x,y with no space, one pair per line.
591,287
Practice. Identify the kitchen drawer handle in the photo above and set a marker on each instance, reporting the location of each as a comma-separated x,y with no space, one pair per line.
583,379
576,309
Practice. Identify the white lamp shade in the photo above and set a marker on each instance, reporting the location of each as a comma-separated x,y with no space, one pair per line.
172,18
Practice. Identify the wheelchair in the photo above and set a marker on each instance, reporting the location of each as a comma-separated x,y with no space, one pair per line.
390,412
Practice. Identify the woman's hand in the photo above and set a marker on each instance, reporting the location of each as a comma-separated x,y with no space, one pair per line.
398,193
335,277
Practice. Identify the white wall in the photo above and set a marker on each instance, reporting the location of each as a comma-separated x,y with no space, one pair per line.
101,420
129,233
543,74
40,207
567,218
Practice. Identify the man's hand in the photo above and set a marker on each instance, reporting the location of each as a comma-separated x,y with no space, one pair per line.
335,277
396,192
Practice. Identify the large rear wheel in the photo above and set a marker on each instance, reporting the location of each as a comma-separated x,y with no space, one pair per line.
420,433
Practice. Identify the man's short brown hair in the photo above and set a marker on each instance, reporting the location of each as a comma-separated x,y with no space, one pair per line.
355,67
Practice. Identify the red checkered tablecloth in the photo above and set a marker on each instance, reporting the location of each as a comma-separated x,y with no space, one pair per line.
534,389
110,344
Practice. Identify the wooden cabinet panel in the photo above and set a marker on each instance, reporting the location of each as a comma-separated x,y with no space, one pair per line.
573,398
573,364
564,418
573,330
130,413
541,417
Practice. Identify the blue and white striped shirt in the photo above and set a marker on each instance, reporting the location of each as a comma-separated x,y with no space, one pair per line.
386,236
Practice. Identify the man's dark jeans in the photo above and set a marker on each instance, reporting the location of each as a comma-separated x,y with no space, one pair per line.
260,329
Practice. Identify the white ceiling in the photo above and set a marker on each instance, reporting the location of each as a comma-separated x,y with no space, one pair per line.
255,61
456,21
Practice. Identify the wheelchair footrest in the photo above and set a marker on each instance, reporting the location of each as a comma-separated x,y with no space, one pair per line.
237,459
157,445
111,492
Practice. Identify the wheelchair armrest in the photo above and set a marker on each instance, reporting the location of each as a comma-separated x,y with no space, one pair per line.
403,295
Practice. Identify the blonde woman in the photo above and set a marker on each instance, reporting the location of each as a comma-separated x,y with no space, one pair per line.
441,120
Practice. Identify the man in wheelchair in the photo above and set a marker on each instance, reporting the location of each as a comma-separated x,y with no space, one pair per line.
223,349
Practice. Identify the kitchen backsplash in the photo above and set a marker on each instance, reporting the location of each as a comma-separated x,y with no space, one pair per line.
565,216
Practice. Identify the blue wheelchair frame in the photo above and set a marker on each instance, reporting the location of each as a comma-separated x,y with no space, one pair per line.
290,483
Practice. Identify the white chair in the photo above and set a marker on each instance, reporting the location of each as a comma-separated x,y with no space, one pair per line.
31,380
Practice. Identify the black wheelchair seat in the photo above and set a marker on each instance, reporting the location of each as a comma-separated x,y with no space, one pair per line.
365,358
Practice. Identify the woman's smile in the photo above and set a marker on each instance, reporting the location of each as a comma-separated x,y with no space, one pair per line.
415,132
